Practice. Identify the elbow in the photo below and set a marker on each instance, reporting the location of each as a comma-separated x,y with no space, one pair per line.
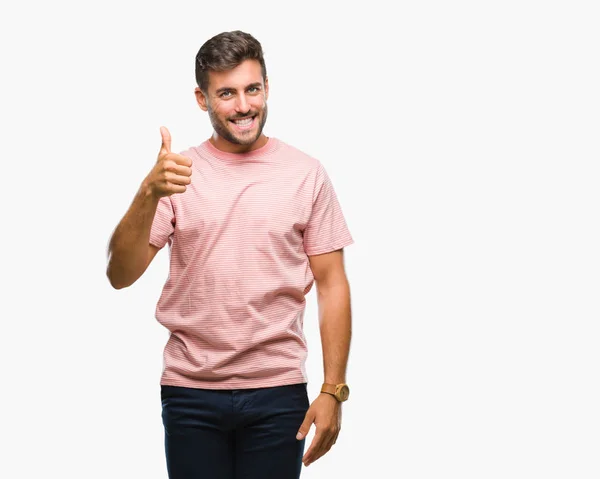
114,283
114,280
117,286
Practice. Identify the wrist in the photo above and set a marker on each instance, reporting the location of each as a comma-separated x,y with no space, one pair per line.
146,192
330,397
334,380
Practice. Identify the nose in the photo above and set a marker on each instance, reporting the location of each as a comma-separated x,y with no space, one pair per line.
242,105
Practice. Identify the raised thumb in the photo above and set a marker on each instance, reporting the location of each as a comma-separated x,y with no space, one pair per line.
166,139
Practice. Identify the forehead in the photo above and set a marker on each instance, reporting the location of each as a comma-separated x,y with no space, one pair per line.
247,72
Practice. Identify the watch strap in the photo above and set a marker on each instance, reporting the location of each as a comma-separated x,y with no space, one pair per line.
328,388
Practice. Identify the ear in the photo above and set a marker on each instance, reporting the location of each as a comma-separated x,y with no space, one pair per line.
266,88
201,99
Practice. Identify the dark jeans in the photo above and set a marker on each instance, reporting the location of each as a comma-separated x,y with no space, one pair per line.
234,434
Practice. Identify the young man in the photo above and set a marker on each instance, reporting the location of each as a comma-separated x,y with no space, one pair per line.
251,224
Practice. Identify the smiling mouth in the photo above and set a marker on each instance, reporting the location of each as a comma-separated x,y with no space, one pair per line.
244,123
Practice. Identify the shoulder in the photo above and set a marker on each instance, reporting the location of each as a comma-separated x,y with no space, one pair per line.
297,156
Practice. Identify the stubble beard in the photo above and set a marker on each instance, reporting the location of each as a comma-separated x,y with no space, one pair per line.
224,132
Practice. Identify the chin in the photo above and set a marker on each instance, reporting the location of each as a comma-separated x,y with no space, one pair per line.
245,140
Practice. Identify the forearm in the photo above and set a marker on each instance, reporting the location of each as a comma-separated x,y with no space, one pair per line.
335,320
129,245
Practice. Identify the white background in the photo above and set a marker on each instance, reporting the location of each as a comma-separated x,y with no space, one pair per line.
462,140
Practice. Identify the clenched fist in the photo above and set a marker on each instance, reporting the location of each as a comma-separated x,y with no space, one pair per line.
171,173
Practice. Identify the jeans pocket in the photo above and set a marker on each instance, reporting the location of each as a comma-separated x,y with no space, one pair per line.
301,395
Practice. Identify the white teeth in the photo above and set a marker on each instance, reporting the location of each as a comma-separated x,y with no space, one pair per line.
244,122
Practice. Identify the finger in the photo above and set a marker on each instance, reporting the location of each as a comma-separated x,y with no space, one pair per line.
318,454
177,169
178,179
172,188
327,446
314,449
305,426
180,159
308,456
166,140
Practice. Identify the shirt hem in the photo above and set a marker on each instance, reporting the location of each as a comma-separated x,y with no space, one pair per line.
233,384
330,248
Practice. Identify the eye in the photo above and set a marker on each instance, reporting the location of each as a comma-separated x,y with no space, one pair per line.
225,94
253,89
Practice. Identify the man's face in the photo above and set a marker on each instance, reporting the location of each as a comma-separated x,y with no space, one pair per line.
236,102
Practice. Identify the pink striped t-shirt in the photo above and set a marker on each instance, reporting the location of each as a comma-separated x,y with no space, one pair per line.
239,238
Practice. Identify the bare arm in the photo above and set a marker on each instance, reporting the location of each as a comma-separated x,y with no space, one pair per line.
333,296
129,251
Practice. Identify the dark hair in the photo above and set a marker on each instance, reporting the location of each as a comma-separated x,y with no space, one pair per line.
226,51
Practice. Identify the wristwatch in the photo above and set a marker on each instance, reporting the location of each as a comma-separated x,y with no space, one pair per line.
339,391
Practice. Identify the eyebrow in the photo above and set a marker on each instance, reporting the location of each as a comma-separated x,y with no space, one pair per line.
228,88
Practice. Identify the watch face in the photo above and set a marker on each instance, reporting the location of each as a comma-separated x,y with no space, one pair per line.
344,393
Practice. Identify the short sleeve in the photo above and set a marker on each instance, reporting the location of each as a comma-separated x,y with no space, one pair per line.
163,224
326,230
